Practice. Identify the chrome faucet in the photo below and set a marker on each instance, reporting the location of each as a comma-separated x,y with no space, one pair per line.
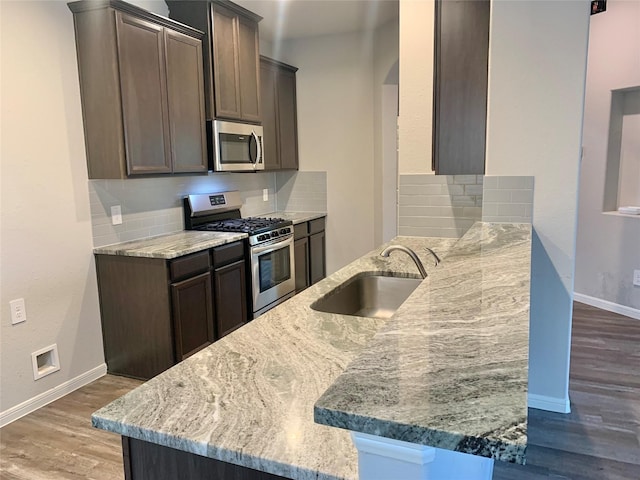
411,253
434,255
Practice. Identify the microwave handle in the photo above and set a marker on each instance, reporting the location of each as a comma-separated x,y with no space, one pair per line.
256,138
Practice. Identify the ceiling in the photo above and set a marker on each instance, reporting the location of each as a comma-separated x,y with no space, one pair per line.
288,19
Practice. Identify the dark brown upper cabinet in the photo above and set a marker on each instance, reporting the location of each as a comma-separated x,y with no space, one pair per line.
141,84
279,115
460,86
231,56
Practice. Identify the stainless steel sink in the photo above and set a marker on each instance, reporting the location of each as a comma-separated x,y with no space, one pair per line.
368,295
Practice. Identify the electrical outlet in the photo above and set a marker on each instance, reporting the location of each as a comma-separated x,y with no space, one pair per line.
636,278
265,194
116,215
18,311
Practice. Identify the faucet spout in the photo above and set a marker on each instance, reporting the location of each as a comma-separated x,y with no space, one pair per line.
408,251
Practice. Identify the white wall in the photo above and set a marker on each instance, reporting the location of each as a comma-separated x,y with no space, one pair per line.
607,246
385,67
416,86
46,252
536,88
336,133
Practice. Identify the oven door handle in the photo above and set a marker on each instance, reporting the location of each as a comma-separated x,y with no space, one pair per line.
272,246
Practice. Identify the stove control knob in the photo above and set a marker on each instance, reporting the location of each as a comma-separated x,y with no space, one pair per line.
274,234
284,231
263,237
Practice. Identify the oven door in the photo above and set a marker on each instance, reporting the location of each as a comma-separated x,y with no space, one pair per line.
272,271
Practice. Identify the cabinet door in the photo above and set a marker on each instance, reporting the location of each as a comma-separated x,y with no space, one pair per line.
287,120
460,94
269,117
225,63
144,95
301,253
230,297
192,315
317,256
249,70
185,90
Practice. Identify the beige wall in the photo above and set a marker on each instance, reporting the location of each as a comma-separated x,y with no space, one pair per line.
416,86
385,64
336,133
537,58
607,247
46,242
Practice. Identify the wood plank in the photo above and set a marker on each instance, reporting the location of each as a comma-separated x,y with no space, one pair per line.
58,441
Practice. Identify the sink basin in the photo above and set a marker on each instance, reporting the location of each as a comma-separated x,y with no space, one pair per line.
368,295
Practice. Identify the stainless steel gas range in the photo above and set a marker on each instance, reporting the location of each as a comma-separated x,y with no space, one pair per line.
271,265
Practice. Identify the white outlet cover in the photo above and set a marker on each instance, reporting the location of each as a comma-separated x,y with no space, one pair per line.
18,311
116,215
636,278
265,194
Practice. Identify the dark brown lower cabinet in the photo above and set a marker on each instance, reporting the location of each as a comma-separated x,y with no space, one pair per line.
317,257
301,253
157,312
310,253
148,461
231,301
192,315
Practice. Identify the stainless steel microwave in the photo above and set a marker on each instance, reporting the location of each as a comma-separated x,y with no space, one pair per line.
235,147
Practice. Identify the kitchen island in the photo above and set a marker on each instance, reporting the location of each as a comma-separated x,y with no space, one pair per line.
249,398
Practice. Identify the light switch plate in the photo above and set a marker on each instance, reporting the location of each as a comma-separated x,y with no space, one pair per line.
116,215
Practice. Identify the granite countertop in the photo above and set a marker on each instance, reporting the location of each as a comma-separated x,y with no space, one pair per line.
295,217
457,346
248,398
449,370
171,245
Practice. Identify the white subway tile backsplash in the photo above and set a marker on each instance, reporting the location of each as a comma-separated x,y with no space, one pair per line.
522,196
438,205
153,206
520,183
302,191
507,199
465,179
496,196
473,189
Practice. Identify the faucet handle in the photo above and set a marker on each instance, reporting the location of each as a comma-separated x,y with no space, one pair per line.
434,255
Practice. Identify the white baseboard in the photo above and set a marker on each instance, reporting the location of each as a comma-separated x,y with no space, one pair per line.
608,306
14,413
550,404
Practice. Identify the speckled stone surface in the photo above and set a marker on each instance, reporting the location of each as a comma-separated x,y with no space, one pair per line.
295,217
449,370
248,399
171,245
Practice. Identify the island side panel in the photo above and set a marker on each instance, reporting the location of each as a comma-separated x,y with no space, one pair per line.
149,461
136,315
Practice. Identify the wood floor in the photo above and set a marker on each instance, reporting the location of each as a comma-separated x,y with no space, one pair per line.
58,441
599,440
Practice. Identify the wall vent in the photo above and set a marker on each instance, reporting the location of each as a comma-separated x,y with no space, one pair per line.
45,361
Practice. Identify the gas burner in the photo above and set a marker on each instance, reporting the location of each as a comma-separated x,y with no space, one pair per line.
250,225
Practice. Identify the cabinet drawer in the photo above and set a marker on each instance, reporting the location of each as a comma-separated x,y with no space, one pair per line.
190,265
227,254
316,225
300,230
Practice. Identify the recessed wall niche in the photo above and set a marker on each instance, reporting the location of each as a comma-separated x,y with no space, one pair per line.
622,179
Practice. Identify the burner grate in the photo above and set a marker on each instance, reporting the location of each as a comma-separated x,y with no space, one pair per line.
244,225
